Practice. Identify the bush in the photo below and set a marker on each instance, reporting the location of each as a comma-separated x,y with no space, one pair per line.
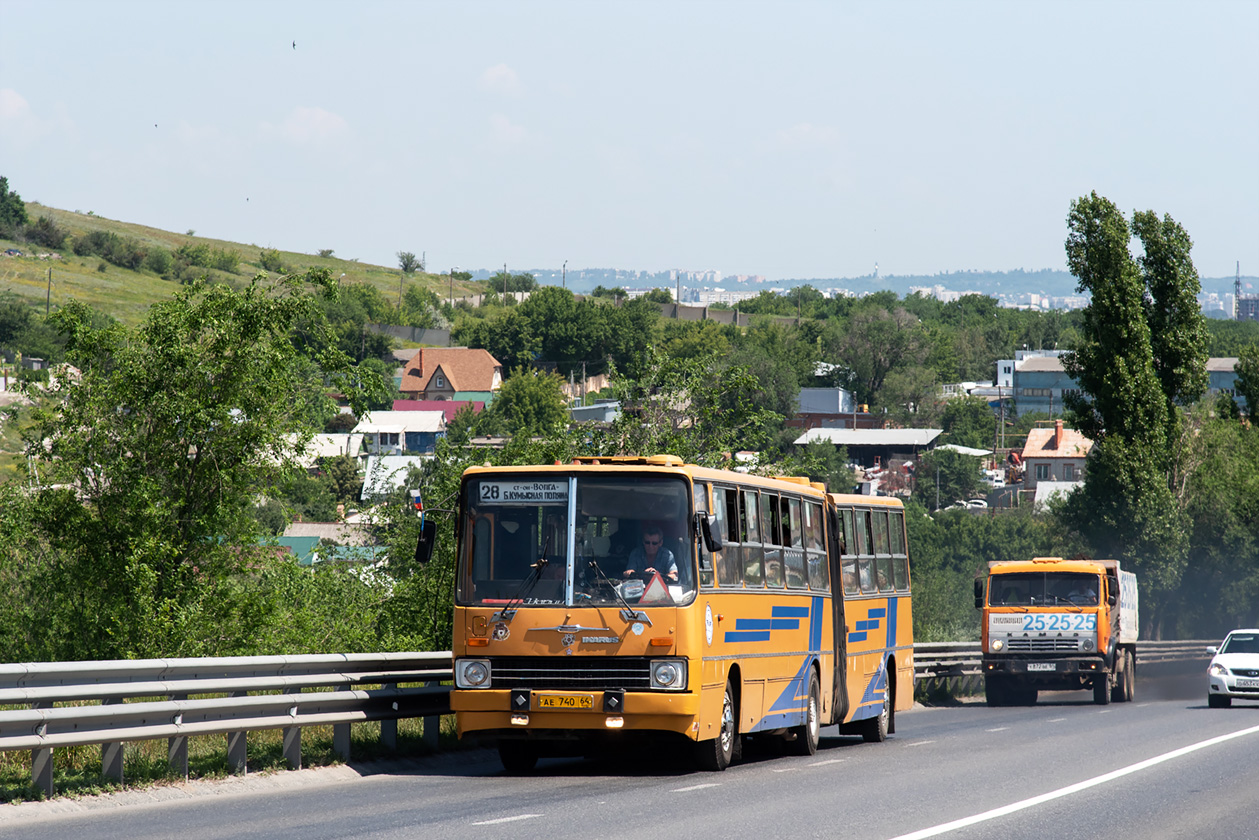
272,261
159,260
46,232
102,266
325,252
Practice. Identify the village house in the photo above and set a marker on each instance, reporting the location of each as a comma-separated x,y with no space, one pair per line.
1054,454
454,373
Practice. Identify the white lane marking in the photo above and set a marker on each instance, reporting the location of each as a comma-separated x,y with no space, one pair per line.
695,787
783,769
998,729
1075,788
507,819
920,743
828,761
1056,720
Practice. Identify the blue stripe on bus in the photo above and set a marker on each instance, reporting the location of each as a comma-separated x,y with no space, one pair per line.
892,604
815,625
856,637
738,636
877,612
767,624
789,612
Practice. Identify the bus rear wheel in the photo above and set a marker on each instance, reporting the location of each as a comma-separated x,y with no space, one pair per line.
808,733
874,730
716,753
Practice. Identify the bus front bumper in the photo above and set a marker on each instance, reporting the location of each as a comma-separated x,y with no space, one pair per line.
492,709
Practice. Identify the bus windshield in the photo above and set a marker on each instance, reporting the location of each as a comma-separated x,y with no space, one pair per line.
550,539
1039,589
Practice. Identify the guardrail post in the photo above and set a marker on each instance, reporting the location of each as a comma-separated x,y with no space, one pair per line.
177,746
341,739
389,728
111,751
236,751
293,746
41,761
432,726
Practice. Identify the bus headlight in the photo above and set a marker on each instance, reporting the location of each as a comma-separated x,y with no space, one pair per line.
997,645
668,674
472,673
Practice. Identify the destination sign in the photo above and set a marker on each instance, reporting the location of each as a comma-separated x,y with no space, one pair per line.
523,492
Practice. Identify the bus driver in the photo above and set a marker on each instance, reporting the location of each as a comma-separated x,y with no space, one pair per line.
652,557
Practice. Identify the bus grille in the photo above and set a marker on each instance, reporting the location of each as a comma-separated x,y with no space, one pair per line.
579,673
1039,645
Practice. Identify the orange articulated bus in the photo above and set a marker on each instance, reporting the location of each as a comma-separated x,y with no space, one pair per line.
615,598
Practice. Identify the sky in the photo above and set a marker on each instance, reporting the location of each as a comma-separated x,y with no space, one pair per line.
793,140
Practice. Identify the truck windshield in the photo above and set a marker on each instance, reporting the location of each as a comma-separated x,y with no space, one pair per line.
589,540
1038,589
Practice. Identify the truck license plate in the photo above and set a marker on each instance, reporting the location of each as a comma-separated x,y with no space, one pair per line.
1042,666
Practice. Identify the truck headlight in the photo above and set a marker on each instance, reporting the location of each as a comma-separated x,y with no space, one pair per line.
668,674
997,645
1087,644
472,673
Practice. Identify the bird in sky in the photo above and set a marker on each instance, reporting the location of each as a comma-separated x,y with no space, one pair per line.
294,45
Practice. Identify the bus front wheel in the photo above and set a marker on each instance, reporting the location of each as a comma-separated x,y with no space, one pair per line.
717,753
874,730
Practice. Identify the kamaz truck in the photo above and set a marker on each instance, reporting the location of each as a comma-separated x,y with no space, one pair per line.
1057,625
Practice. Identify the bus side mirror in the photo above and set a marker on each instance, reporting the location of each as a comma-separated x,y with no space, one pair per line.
424,546
707,524
979,593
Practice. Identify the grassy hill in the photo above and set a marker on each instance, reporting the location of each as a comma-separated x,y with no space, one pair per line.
126,294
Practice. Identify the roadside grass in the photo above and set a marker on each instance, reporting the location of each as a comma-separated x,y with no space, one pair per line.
77,770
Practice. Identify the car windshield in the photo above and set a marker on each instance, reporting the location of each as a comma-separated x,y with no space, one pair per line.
1039,589
598,540
1241,643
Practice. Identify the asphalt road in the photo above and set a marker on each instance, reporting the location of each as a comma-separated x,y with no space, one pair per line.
1164,766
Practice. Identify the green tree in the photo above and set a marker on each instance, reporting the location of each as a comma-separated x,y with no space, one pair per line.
12,208
1247,383
968,421
1140,356
530,402
150,458
409,263
944,477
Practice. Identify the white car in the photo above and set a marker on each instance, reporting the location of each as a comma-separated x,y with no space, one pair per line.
1234,671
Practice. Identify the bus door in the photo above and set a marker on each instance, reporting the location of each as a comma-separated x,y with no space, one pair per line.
836,543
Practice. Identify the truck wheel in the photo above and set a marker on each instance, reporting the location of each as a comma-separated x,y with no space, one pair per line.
1101,690
807,734
1131,690
716,753
1123,690
996,693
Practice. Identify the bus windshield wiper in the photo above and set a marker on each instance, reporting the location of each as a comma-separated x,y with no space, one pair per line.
508,612
628,613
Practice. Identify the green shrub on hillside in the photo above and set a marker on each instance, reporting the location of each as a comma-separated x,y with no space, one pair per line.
272,261
159,261
46,232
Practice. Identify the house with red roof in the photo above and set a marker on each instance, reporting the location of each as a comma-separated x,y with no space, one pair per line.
451,373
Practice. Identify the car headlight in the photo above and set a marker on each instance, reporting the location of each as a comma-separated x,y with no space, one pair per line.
1218,670
997,645
472,673
668,674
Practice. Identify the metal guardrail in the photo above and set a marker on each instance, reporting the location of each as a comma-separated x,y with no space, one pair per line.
235,695
953,667
214,696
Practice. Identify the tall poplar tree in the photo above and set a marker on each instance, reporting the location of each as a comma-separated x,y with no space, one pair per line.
1141,358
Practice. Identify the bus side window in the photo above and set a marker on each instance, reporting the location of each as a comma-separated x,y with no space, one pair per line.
729,565
707,559
793,545
819,572
900,560
771,533
865,574
753,551
849,572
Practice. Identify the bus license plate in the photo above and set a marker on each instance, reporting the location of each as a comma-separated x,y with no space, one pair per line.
1041,666
566,701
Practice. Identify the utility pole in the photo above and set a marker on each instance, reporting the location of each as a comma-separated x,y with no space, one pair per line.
504,284
452,284
564,275
48,301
